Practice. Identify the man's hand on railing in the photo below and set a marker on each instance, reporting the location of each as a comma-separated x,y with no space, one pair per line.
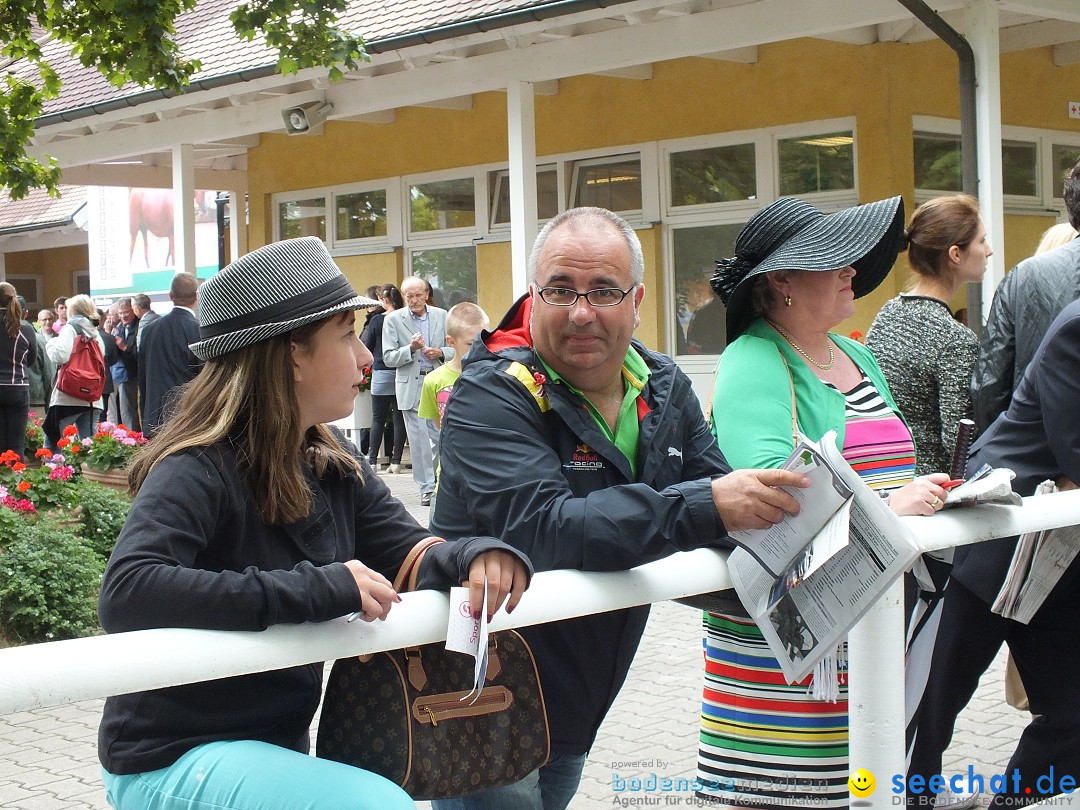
752,499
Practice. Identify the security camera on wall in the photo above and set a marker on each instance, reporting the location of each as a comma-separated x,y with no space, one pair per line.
307,118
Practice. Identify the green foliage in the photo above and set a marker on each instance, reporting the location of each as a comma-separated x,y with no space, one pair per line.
50,488
937,163
719,174
133,41
49,579
103,514
13,524
304,33
823,162
20,104
35,437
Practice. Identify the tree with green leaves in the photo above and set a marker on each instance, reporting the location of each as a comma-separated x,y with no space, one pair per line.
134,40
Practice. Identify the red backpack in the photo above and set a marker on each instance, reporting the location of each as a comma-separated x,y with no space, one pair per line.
83,375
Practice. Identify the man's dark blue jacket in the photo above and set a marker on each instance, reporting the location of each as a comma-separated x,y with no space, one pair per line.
524,461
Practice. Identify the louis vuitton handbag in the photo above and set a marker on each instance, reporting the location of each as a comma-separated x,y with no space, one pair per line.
400,714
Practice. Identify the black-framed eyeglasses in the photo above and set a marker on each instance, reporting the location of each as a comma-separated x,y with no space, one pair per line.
602,297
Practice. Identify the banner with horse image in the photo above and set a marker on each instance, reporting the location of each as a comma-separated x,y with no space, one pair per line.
132,242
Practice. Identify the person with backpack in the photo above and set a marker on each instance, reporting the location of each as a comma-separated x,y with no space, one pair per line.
78,353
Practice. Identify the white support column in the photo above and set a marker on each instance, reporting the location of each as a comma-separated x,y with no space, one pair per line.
521,120
982,29
3,268
183,171
238,224
876,720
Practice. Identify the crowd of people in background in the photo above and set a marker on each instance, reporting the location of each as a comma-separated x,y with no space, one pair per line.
142,369
411,338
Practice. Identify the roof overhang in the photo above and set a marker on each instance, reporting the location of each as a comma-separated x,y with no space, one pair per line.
129,139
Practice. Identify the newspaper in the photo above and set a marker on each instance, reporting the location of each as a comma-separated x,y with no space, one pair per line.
988,485
808,583
1038,563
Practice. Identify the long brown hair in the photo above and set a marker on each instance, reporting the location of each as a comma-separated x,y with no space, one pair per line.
248,399
12,311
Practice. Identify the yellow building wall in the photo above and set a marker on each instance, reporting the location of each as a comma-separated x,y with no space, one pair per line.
881,86
371,269
56,266
495,289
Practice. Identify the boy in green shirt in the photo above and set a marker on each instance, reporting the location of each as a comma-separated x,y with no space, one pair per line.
463,324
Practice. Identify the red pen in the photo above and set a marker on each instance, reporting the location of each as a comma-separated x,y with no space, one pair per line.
954,483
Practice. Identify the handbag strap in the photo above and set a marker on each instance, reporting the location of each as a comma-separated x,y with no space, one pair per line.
409,571
791,384
794,409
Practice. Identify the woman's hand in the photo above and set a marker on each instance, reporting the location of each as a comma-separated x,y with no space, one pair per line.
505,575
376,592
923,496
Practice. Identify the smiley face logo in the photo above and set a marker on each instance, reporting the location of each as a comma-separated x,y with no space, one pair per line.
861,783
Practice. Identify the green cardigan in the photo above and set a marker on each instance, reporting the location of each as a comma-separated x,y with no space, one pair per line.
751,402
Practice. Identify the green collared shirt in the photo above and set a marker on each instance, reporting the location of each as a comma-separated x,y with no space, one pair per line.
635,374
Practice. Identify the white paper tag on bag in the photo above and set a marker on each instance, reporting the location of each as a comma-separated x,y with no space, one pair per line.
467,635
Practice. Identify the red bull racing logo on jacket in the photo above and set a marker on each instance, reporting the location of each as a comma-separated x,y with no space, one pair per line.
585,458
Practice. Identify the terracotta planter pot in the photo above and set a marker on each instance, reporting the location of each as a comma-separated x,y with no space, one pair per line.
114,479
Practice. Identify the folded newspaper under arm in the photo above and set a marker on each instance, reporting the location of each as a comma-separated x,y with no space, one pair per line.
1039,561
809,579
988,485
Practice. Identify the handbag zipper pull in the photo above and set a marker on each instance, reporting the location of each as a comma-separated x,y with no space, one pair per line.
431,714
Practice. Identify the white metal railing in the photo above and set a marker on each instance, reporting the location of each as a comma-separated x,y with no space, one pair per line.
62,672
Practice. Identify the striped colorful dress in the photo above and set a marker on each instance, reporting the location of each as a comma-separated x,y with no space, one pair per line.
765,743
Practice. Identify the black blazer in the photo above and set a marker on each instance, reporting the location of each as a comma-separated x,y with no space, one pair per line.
1038,438
165,362
112,354
130,355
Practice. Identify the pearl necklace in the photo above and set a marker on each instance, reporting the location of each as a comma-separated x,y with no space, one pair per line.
801,350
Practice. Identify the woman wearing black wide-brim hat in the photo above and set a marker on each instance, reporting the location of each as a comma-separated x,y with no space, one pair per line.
249,511
795,275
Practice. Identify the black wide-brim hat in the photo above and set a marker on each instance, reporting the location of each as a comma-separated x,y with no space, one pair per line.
271,291
791,234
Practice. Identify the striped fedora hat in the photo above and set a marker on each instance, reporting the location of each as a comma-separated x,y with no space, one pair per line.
791,234
271,291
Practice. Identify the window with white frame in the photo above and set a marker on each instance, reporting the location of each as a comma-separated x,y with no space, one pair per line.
443,215
1062,159
700,316
608,182
30,288
711,175
450,270
815,163
1020,169
713,184
1033,163
442,205
937,162
302,217
354,218
360,215
547,195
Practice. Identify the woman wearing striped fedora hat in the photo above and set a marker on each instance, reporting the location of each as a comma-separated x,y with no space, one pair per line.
795,275
249,511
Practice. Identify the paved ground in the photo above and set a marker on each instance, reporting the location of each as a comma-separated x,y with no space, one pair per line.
48,759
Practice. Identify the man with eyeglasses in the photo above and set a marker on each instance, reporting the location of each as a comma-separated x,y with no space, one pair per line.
413,341
573,442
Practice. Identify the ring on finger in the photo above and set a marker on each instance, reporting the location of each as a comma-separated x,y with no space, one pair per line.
935,502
